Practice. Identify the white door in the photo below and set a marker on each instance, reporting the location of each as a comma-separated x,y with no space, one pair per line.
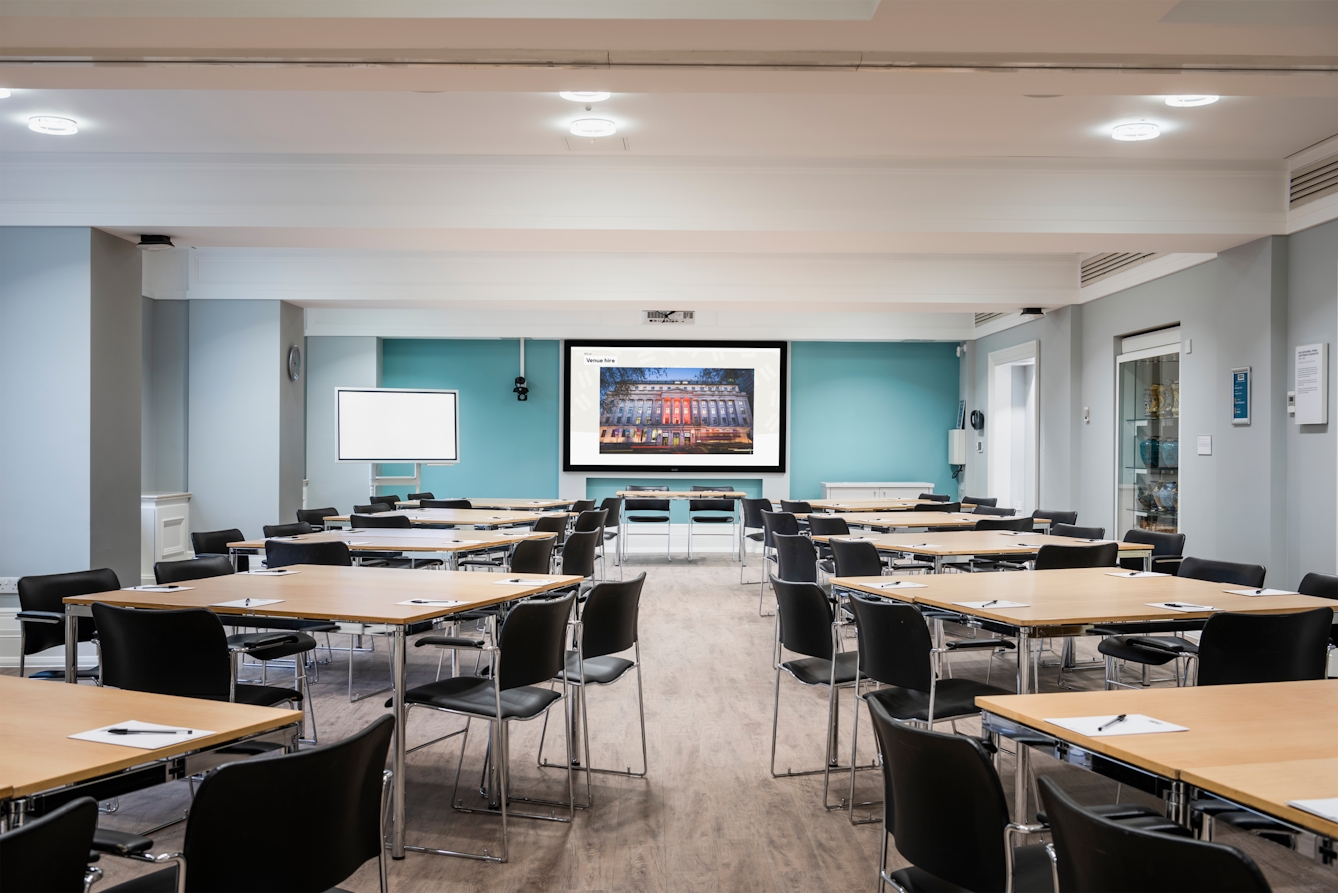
1012,426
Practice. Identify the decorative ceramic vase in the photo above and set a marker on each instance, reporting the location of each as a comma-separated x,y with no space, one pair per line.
1167,495
1146,500
1157,402
1168,453
1175,399
1147,450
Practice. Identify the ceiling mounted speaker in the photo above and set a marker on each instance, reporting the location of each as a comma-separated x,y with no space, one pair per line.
155,243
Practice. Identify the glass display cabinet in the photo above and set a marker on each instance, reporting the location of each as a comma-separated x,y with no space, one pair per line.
1148,478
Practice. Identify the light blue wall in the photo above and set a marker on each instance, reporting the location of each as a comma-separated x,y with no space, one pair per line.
871,411
507,448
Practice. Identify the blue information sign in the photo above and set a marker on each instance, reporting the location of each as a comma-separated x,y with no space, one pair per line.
1240,396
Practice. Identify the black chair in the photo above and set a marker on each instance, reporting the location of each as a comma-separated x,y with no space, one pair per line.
431,503
973,565
935,497
1246,576
649,488
796,506
1321,586
639,511
947,814
280,553
584,505
1025,525
554,524
388,559
578,554
41,614
531,650
938,506
1054,557
344,790
50,854
856,558
299,528
1055,517
991,510
364,522
215,542
1076,532
389,499
531,556
613,525
316,517
806,625
1094,853
796,558
596,520
420,496
978,501
824,525
752,520
373,508
1167,550
608,628
1237,649
772,524
711,513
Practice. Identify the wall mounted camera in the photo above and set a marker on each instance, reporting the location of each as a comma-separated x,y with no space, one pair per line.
522,393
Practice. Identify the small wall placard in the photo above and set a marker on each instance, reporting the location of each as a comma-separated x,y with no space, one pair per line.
1240,395
1312,384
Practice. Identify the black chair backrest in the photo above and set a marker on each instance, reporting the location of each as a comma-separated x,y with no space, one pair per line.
1247,575
710,505
1319,585
708,488
1053,558
937,507
948,811
894,643
591,519
795,506
805,616
779,522
936,497
401,522
374,508
316,517
991,510
825,525
214,542
582,505
431,503
1096,853
856,558
989,502
165,572
533,641
1161,543
389,499
296,529
182,651
609,619
533,556
420,496
578,553
1242,648
1073,530
752,511
1055,517
649,488
281,554
1025,524
552,524
796,558
340,783
49,854
47,592
646,505
614,506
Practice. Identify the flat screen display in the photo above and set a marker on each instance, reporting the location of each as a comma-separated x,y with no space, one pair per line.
397,425
675,406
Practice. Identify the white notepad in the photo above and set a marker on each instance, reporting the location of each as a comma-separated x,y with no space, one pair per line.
923,546
358,543
897,584
164,588
142,742
1133,575
276,572
516,580
1257,592
247,603
1186,607
993,603
1132,724
849,539
1326,808
431,602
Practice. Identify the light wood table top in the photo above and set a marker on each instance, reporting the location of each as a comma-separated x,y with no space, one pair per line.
493,502
1228,725
415,539
1267,786
1077,596
37,755
866,505
457,517
354,594
927,520
682,494
976,542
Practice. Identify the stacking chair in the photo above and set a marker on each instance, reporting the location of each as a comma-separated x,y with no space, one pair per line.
531,649
979,501
373,508
50,853
1321,586
527,557
300,528
711,513
430,503
1025,525
316,517
1076,532
1093,852
797,507
554,524
938,505
344,789
215,542
991,510
613,525
935,497
381,519
41,614
947,814
1238,649
279,553
1167,550
420,496
636,514
388,559
585,505
856,558
389,499
796,558
596,520
1054,557
827,525
772,524
752,520
578,555
1055,517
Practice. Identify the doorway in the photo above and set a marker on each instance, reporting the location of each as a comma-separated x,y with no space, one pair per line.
1014,427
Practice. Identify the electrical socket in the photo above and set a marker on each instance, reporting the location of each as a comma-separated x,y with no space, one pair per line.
9,584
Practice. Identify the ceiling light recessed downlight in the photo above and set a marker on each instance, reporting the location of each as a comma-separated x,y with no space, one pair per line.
1187,102
585,96
4,92
1139,130
593,127
52,125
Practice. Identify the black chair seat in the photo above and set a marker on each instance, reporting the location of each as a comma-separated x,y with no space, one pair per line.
1166,643
162,881
711,519
1031,874
970,644
306,626
299,643
818,670
1260,825
263,695
757,537
475,695
1116,812
646,519
954,697
1136,629
448,641
83,673
598,670
1126,648
1158,823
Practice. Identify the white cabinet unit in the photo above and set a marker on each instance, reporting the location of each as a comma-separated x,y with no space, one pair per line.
876,489
164,530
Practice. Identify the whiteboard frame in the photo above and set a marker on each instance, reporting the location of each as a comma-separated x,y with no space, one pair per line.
399,461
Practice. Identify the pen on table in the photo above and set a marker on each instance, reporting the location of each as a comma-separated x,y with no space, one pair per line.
119,731
1118,719
993,601
1259,592
1178,605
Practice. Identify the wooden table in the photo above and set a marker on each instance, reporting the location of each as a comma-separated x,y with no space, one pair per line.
910,520
389,539
512,505
482,518
996,543
1234,732
866,505
348,594
1267,786
39,760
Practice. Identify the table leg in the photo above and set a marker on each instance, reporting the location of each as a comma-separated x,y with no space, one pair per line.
1023,662
938,564
1020,785
1147,562
71,647
400,683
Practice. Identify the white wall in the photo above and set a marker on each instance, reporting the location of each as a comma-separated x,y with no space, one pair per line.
165,394
335,362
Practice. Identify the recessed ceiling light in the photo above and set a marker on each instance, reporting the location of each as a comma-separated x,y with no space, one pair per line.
1141,130
4,92
1185,102
586,96
593,127
54,126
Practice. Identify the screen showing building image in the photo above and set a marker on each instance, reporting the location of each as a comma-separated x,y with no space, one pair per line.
658,410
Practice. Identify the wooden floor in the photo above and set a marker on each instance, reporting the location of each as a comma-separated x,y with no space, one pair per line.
708,817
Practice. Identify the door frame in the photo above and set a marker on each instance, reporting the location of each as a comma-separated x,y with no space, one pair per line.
1009,356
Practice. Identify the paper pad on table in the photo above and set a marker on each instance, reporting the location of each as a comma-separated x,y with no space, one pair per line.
993,603
247,603
431,602
1187,607
163,588
516,581
1255,592
1133,724
897,584
1133,574
143,742
276,572
1326,808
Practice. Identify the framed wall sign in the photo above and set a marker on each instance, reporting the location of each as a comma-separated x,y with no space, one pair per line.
1312,384
1240,395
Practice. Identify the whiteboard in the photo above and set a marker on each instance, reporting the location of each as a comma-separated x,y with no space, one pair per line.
397,425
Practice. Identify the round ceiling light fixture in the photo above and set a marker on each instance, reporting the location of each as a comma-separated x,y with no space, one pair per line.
1189,102
585,96
1139,130
52,125
4,93
593,128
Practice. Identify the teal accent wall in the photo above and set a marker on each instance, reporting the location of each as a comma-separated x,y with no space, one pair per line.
600,488
871,411
507,448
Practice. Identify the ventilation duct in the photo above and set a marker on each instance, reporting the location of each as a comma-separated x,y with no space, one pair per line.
1099,266
1314,181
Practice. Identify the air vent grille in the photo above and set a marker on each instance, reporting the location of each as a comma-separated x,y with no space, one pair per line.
1314,181
669,317
1099,266
982,318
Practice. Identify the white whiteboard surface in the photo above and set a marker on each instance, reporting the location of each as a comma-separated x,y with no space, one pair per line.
397,425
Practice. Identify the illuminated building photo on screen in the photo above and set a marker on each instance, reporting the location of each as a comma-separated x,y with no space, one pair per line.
675,410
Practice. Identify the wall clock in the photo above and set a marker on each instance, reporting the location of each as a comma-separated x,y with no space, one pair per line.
294,362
